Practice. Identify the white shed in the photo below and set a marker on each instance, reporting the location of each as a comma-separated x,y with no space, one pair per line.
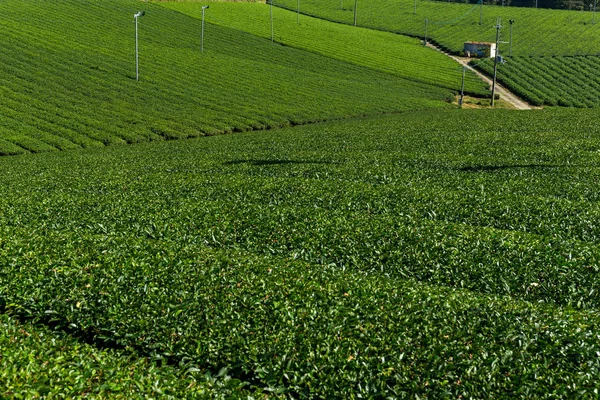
480,49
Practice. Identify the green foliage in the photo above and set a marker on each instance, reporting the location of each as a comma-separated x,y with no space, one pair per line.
536,32
562,81
552,58
381,51
38,362
69,79
399,256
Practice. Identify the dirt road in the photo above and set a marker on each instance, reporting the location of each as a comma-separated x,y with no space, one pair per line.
504,93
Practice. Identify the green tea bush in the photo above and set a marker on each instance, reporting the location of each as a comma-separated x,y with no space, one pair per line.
382,51
563,81
550,61
536,32
38,362
410,255
73,66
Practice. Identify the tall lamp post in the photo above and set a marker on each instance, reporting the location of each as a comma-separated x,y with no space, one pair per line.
496,57
137,62
462,87
480,12
511,22
355,4
271,12
202,35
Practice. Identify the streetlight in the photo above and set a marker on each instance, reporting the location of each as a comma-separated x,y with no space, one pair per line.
355,3
511,22
271,12
496,59
137,63
202,36
462,87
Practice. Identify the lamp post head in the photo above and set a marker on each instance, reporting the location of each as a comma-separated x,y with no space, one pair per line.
205,7
139,14
512,21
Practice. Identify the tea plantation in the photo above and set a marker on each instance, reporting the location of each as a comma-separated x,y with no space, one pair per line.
73,64
397,256
536,32
39,362
381,51
381,244
551,60
563,81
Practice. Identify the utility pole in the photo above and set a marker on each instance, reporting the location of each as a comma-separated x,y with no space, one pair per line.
462,87
202,36
511,22
355,3
498,26
137,59
480,12
271,10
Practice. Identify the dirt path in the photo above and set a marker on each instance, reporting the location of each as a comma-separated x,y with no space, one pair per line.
504,93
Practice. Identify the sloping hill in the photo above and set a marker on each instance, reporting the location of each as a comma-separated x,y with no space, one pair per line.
536,32
562,81
418,254
550,56
382,51
69,79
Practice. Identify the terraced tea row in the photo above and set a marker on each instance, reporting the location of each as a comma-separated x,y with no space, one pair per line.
40,362
69,79
563,81
387,256
289,328
381,51
536,32
533,36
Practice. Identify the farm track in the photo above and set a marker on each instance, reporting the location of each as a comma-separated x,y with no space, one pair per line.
504,93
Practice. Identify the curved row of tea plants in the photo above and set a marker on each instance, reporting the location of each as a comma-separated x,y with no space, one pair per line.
287,327
536,32
397,256
382,51
69,79
37,362
563,81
